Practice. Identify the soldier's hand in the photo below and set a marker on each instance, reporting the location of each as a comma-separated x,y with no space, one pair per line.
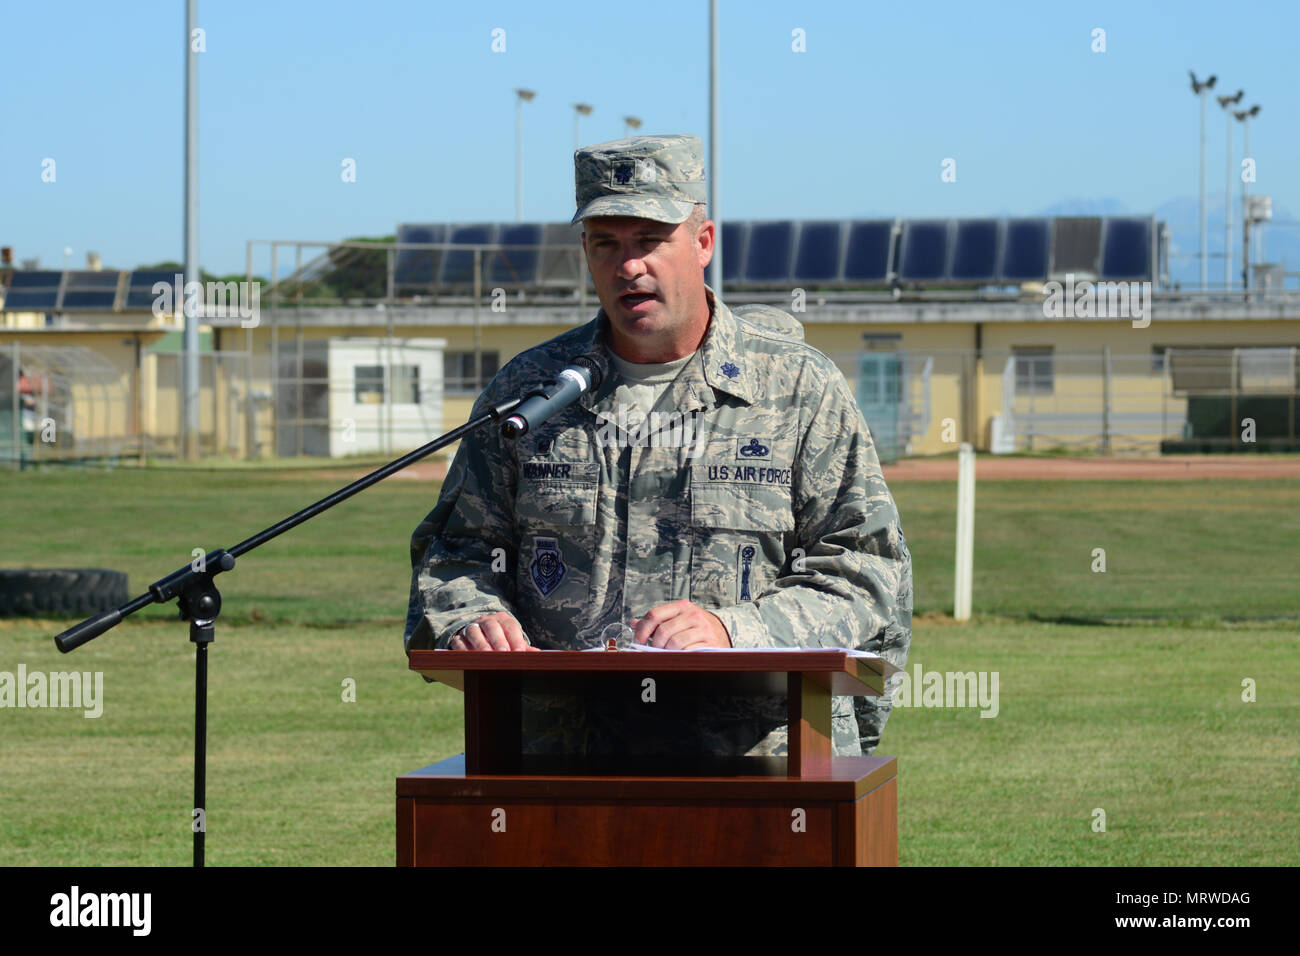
680,626
492,632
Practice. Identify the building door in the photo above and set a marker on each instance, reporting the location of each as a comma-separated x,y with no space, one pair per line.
880,389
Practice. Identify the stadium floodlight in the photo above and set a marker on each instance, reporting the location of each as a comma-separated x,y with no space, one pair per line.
1200,90
1243,116
630,123
521,97
1225,102
579,110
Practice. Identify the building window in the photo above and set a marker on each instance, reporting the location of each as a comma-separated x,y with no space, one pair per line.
1034,371
458,372
1158,358
369,387
406,384
369,381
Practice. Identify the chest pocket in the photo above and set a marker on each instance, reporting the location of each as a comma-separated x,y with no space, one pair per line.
741,507
558,481
555,520
738,545
547,502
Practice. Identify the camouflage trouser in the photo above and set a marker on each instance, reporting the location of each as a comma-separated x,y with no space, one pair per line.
871,714
892,644
725,727
844,740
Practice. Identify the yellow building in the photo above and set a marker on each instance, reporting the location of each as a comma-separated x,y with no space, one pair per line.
964,368
1072,342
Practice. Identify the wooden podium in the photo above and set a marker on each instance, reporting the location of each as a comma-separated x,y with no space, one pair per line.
496,806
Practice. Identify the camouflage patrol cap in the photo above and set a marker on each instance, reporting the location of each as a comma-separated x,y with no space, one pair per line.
647,177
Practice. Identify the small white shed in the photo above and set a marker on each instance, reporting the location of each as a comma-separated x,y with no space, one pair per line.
360,395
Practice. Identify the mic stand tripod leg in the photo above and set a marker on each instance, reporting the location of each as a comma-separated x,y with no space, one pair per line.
200,603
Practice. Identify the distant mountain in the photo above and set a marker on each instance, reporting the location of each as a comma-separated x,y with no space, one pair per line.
1086,207
1281,240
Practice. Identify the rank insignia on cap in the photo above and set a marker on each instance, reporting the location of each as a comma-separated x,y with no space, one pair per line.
548,568
730,370
622,173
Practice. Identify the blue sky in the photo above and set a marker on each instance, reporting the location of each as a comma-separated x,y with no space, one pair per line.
859,124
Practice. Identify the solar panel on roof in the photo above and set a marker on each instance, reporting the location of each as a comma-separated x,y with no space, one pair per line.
818,258
1126,250
1025,246
770,252
735,240
140,283
867,258
458,267
1076,245
975,251
925,250
562,262
90,290
516,266
418,267
31,291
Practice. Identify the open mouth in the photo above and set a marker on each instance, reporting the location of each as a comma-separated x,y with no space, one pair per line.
634,299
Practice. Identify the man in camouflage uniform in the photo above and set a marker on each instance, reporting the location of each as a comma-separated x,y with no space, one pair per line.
719,488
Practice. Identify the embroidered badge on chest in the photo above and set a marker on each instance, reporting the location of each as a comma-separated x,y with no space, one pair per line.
746,568
548,568
753,449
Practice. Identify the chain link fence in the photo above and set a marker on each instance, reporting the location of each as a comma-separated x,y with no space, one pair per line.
335,397
64,403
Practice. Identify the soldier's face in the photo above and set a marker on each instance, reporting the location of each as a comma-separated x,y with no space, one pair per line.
649,277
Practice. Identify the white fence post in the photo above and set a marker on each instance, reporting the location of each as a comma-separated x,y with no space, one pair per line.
965,531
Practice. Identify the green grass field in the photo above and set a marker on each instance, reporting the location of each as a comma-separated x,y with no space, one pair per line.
1119,691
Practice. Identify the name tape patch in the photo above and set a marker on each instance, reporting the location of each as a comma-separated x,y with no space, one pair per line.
560,471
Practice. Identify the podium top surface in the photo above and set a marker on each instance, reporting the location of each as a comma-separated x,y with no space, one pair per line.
845,672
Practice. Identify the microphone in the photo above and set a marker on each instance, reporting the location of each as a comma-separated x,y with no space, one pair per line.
581,375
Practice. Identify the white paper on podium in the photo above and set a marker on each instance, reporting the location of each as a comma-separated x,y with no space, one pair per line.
852,652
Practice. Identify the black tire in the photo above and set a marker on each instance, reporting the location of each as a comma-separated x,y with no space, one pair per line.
60,592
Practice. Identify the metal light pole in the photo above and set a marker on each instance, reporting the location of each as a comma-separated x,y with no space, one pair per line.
579,110
521,97
191,343
1244,117
630,123
715,202
1200,90
1225,102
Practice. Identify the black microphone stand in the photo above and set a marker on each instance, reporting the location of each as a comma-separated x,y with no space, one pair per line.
200,601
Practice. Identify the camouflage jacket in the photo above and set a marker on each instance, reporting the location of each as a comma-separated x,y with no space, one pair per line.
756,494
